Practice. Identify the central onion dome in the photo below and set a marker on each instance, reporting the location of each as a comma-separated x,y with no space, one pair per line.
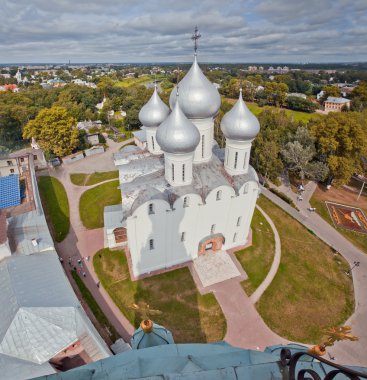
199,99
177,134
240,123
154,112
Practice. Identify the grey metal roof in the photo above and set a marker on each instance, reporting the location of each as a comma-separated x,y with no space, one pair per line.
333,99
113,216
154,112
18,369
39,312
177,134
25,227
149,182
240,123
141,135
199,98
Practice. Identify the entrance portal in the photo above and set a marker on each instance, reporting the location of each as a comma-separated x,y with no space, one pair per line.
213,242
120,234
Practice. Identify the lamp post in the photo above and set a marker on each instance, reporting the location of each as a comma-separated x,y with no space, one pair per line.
355,264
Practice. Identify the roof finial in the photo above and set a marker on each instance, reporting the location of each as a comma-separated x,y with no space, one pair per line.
195,37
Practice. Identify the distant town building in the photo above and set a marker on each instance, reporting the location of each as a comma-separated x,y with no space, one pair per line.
297,95
18,76
9,87
320,95
333,104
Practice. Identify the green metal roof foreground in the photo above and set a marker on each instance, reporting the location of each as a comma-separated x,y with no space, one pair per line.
216,361
158,336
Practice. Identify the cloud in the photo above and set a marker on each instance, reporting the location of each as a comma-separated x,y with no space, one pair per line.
160,30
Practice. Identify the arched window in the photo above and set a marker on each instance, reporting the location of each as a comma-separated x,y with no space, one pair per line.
235,237
151,244
212,229
235,160
173,172
153,142
186,202
151,208
202,145
183,236
183,173
245,161
238,221
219,195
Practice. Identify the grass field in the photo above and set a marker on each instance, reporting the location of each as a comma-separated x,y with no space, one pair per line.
95,309
257,259
310,291
342,196
82,179
93,201
56,206
294,115
170,299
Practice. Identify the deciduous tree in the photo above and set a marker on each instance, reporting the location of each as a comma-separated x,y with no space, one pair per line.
54,130
341,142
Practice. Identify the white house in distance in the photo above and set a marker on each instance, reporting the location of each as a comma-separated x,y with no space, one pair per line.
185,196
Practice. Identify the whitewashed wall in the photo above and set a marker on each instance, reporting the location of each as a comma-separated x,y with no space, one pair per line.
166,225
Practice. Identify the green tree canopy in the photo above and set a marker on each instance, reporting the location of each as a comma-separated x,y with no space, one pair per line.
341,142
55,131
330,91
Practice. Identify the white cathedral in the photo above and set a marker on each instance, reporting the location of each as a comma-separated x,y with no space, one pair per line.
183,196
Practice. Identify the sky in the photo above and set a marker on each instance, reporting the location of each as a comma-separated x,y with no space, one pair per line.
294,31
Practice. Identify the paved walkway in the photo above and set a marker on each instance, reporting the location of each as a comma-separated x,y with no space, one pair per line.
255,296
353,353
81,242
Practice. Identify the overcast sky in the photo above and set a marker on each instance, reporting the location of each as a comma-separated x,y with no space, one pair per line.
160,30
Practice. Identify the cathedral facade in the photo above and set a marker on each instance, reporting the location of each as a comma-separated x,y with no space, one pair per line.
184,196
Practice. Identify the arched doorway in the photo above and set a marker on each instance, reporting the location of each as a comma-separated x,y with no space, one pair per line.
120,234
211,243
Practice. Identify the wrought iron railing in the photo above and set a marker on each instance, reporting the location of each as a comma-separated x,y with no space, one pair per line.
290,361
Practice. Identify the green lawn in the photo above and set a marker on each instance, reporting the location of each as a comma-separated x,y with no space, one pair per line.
82,179
94,307
56,206
310,292
295,115
93,201
318,201
170,299
257,259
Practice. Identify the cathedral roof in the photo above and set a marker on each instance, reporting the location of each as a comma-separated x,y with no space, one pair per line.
154,112
150,183
240,123
199,99
177,134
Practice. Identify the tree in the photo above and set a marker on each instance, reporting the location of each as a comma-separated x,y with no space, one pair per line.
341,143
54,130
359,97
299,155
299,104
330,91
275,93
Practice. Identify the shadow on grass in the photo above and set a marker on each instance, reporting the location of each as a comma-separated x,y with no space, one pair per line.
169,299
56,206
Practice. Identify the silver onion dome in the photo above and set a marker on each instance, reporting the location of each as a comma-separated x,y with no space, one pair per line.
199,99
154,112
177,134
240,123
